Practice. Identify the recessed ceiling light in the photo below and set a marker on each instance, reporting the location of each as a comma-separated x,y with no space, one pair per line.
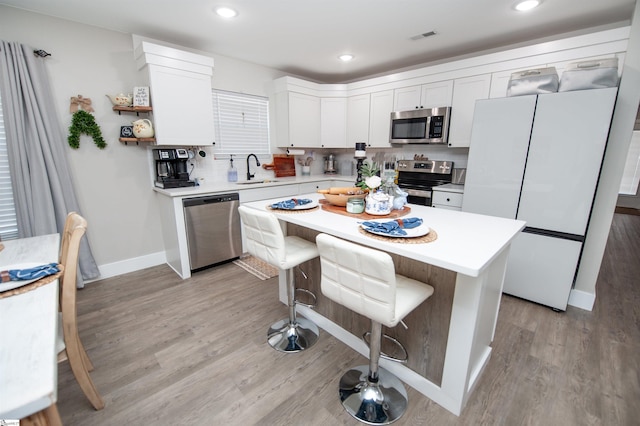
525,5
346,57
226,12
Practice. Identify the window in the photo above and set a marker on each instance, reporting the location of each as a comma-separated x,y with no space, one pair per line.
8,223
241,124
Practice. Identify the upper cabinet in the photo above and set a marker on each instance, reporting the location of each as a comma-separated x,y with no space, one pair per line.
297,120
180,86
333,123
380,118
304,120
315,112
466,91
358,119
430,95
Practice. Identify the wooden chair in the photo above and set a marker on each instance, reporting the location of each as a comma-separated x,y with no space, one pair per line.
68,344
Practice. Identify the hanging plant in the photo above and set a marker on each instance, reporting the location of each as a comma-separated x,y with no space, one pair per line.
83,122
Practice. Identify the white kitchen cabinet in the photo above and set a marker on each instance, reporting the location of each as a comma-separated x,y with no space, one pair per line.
180,88
466,91
333,123
430,95
406,98
380,119
304,120
309,187
297,120
358,119
447,197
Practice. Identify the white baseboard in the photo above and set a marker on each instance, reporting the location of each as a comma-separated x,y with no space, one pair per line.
130,265
581,299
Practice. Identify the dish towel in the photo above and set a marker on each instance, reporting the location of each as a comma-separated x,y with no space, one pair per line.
290,204
30,273
394,227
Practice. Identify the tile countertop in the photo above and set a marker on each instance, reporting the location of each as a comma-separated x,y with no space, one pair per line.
221,187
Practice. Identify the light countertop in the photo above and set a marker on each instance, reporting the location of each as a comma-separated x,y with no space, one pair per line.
467,243
450,187
221,187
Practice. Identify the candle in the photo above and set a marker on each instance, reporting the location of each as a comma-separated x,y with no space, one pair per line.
361,150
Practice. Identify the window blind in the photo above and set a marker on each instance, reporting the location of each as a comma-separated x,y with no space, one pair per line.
8,222
241,124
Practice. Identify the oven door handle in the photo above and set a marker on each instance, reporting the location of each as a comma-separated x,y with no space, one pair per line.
417,192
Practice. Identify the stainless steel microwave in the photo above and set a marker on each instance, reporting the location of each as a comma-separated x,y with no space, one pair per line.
424,125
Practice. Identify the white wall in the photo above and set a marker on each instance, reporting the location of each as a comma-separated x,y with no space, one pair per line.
113,185
622,123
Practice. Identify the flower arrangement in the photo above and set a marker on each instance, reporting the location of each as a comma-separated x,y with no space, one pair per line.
369,172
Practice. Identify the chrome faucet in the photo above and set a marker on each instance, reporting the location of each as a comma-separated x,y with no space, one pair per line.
249,175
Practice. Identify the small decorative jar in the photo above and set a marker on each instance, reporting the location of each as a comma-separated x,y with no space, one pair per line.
355,205
378,203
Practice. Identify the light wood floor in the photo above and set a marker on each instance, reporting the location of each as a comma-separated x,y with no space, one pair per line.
172,352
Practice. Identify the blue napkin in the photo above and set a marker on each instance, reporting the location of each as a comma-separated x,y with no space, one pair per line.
290,204
394,227
30,273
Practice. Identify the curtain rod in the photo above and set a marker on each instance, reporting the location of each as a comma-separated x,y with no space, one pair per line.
41,53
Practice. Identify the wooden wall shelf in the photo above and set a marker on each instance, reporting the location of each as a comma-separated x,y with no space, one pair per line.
137,140
136,109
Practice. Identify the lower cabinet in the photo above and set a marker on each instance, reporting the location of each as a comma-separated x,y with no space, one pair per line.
447,199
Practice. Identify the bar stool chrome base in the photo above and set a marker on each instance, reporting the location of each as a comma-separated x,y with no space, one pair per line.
371,402
285,336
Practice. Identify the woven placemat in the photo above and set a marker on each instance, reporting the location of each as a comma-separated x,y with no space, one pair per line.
429,238
313,209
32,286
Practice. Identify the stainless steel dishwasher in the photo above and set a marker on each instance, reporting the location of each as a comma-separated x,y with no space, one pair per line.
213,229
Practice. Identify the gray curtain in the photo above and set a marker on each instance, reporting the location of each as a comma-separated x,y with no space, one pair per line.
42,185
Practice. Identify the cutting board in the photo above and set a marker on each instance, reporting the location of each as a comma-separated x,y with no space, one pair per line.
327,206
283,165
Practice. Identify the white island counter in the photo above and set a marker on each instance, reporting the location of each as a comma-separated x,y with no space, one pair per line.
449,337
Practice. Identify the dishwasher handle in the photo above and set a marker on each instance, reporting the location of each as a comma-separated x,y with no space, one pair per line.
222,198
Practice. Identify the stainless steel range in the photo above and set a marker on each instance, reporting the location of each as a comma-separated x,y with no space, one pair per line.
418,177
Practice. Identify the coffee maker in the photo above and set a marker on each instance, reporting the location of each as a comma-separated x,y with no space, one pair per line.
171,168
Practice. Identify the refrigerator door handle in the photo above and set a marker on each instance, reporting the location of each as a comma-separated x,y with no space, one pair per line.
555,234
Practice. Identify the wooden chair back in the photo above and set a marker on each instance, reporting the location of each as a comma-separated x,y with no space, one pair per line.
74,229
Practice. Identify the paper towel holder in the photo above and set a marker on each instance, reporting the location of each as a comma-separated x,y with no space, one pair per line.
295,151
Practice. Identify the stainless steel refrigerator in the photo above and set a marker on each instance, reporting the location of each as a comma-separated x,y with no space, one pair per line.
537,158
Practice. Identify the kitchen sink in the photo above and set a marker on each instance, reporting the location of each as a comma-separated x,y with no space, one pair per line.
253,182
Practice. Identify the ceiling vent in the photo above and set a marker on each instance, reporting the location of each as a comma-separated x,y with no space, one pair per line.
423,35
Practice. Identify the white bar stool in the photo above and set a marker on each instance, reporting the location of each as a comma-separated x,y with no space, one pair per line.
364,280
265,240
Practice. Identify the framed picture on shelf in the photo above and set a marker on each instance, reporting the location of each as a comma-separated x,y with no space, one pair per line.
141,96
126,132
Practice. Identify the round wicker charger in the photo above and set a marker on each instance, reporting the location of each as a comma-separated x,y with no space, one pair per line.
429,238
32,286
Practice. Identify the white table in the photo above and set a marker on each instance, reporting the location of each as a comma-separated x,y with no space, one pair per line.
28,327
473,246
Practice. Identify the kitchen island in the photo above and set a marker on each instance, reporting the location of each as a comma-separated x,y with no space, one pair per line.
448,338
